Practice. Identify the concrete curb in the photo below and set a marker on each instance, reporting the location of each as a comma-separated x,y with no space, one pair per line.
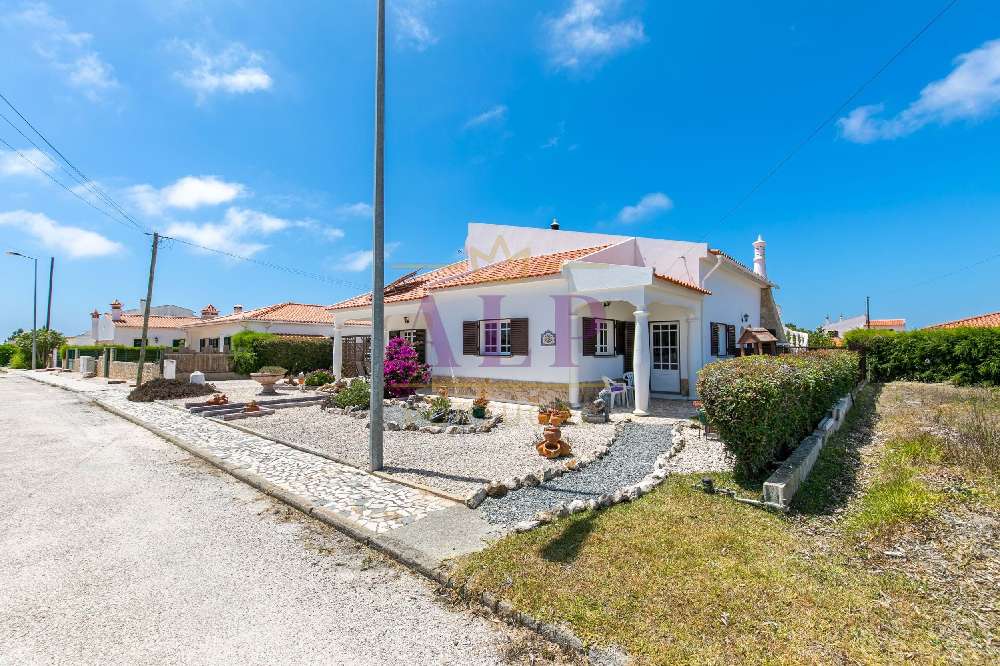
408,556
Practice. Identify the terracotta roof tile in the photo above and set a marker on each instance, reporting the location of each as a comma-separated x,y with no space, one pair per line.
519,268
991,320
155,321
682,283
299,313
410,289
886,323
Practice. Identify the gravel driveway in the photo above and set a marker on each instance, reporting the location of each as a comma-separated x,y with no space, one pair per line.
123,549
631,458
458,464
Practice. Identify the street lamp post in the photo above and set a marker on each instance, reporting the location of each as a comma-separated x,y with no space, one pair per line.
34,308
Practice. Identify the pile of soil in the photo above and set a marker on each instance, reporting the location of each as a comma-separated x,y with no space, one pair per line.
168,389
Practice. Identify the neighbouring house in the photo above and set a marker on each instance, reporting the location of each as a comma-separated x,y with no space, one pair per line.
535,314
990,320
796,338
121,327
212,332
837,329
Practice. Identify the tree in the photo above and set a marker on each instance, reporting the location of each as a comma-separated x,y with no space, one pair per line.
15,334
45,341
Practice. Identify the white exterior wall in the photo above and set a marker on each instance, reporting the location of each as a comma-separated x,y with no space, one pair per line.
231,328
156,336
733,295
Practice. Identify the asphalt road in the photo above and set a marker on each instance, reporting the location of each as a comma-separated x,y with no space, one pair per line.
118,548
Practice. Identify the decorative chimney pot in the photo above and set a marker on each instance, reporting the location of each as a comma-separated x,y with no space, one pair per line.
209,312
116,310
759,261
237,309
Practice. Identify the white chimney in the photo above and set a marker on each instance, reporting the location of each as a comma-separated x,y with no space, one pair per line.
116,310
759,262
237,309
95,319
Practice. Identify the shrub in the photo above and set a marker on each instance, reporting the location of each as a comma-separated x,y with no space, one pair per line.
245,361
20,360
763,406
403,372
319,378
246,339
357,394
957,355
45,342
438,404
168,389
6,352
295,354
273,370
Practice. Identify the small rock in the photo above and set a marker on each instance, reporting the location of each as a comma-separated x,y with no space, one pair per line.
505,609
476,499
526,525
496,489
512,483
391,425
561,511
451,430
549,473
545,516
601,451
593,504
605,500
530,480
412,426
646,485
632,493
572,464
619,497
576,506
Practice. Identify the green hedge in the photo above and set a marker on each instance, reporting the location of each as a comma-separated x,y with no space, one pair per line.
764,405
295,355
6,353
957,355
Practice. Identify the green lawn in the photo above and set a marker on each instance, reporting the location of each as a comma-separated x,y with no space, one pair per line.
684,577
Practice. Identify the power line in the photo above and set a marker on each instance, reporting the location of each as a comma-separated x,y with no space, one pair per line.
826,121
64,186
86,182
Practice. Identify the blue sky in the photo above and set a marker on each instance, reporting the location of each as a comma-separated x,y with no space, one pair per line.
248,127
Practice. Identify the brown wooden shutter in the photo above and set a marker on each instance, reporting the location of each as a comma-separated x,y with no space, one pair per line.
420,344
394,334
470,338
619,338
629,346
589,336
713,330
731,340
519,337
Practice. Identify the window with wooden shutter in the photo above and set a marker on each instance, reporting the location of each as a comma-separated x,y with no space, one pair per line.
619,338
731,340
419,342
589,336
470,338
629,346
713,329
394,334
519,337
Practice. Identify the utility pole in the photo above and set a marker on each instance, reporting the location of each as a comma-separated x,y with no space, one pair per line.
145,311
868,311
378,254
48,312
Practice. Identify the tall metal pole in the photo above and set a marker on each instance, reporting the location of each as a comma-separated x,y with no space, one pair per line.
34,319
48,311
378,256
868,311
145,311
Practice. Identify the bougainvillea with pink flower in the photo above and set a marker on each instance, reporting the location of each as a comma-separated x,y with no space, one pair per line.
403,372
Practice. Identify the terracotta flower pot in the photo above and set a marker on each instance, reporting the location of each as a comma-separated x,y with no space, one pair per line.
555,420
549,449
543,418
564,414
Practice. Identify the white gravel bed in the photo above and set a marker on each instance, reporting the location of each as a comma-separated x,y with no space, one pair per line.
457,464
700,454
244,390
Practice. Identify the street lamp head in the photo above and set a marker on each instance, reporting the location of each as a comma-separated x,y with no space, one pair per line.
18,254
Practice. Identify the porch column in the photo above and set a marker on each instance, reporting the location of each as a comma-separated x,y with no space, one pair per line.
575,349
222,339
338,351
641,363
695,358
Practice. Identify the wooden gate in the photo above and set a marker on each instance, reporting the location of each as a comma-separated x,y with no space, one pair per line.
357,356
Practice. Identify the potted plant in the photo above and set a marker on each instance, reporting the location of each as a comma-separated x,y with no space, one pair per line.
267,377
560,408
479,405
543,414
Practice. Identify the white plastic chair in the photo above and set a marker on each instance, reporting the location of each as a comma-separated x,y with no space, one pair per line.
630,387
618,391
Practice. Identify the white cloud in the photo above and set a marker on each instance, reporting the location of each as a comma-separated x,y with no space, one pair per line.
186,193
971,90
66,51
649,206
585,35
72,241
332,233
362,259
553,141
411,27
237,232
235,70
495,115
359,209
12,164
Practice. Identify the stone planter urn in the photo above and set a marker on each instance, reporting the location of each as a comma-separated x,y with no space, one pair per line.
266,381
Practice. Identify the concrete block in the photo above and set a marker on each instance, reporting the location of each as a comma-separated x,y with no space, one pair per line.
780,487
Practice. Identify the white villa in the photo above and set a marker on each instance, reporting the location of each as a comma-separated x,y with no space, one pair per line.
535,314
174,326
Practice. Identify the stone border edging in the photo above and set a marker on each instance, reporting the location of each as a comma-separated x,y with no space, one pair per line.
408,556
784,483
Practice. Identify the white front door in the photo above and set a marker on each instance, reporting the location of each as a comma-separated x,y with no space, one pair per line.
664,347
